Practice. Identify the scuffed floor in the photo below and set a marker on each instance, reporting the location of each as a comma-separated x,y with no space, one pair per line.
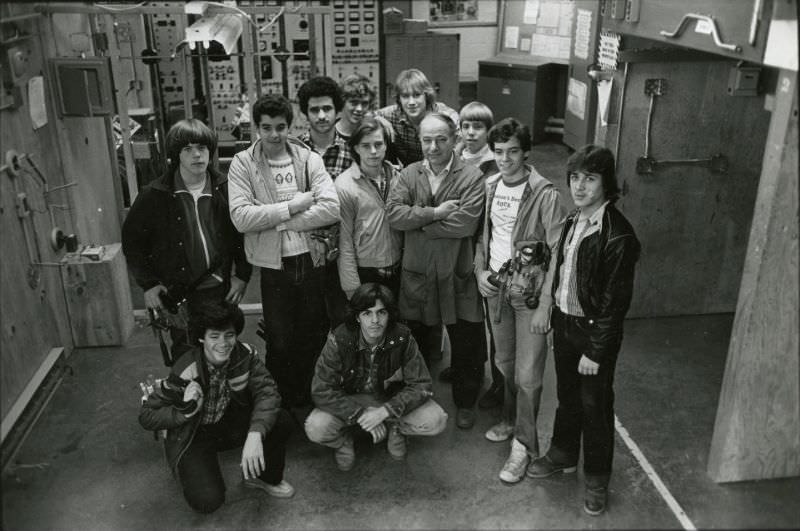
88,465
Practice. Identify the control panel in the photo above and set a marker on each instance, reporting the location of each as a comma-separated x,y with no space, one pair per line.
285,54
356,44
167,32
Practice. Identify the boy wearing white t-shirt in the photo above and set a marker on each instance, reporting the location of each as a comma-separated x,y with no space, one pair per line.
522,208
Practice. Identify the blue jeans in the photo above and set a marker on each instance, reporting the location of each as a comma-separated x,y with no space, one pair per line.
330,430
520,357
293,302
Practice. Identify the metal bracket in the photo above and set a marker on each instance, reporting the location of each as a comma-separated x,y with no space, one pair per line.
701,18
647,165
655,87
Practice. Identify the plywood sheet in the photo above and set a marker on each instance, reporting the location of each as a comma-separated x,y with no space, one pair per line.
757,429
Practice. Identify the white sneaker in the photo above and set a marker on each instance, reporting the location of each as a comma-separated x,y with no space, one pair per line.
502,431
516,464
281,490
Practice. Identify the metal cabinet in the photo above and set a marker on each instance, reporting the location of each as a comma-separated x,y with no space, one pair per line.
529,90
735,29
435,54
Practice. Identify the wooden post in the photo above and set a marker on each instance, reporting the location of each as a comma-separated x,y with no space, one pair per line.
757,430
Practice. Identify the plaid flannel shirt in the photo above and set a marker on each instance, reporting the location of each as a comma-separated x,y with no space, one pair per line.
406,143
218,396
337,157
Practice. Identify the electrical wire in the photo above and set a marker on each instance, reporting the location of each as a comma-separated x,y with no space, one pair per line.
272,21
119,9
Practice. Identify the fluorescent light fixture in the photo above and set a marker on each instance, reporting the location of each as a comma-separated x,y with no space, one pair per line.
225,29
195,7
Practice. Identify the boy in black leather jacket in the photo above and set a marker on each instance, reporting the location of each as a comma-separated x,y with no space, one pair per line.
593,272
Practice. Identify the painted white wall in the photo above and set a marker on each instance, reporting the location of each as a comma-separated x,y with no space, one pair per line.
476,43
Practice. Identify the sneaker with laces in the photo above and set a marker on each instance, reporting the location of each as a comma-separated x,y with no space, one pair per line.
514,468
544,467
281,490
345,455
502,431
396,444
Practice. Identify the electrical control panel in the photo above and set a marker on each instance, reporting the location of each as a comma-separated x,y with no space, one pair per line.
167,31
356,43
278,57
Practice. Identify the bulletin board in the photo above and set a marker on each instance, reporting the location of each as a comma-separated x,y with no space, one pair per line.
538,28
462,13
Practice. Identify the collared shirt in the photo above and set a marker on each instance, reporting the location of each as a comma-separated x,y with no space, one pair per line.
218,395
566,295
336,157
370,367
436,179
381,183
476,159
406,140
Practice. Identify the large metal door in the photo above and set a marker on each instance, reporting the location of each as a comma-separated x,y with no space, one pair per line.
693,222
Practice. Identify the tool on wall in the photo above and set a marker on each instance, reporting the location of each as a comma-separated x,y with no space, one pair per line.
646,164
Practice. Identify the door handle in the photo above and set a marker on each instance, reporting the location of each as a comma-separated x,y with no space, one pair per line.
702,18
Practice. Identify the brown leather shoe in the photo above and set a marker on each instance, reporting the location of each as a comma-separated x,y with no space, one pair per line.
465,418
544,467
345,455
595,500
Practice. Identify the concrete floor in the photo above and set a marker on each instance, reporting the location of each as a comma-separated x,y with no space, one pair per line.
88,465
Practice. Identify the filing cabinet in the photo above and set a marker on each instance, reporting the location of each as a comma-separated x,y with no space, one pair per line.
530,90
435,54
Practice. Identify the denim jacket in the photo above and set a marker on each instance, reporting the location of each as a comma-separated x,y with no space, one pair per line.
403,381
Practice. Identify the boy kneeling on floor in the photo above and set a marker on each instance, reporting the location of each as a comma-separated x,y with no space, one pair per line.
220,396
371,375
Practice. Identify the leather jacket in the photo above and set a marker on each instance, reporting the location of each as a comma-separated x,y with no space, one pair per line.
154,237
605,270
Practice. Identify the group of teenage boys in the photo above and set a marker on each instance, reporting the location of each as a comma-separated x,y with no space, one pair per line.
487,245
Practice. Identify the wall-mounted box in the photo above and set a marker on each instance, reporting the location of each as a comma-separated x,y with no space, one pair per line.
98,298
84,87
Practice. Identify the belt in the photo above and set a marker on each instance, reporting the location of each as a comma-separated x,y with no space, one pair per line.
296,258
389,271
